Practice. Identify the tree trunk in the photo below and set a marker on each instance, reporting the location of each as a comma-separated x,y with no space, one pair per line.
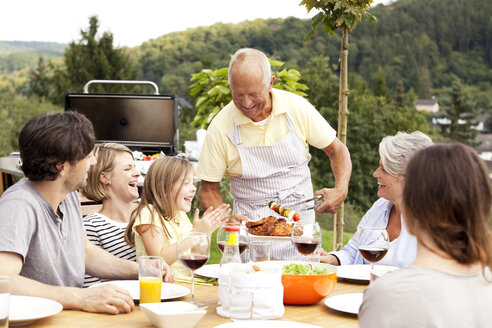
342,130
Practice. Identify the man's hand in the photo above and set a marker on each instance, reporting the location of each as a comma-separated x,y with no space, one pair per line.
333,199
104,299
238,218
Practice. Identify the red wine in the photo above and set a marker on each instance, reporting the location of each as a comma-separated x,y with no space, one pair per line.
372,254
242,246
306,247
193,262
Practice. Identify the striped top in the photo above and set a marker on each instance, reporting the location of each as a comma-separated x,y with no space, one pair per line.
109,235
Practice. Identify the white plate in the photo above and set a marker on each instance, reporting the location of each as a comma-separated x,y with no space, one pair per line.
348,303
168,291
24,309
251,236
361,272
266,324
209,271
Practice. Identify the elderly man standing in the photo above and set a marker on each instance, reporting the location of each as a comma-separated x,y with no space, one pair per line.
43,247
261,142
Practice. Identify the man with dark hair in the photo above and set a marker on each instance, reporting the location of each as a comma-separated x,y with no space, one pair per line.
43,247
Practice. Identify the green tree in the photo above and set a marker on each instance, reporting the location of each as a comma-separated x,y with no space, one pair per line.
15,111
40,80
343,15
460,110
379,82
92,58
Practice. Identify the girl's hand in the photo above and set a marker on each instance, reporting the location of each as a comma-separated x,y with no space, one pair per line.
168,273
211,219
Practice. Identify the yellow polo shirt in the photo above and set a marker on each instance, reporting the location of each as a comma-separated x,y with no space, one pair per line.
219,155
181,226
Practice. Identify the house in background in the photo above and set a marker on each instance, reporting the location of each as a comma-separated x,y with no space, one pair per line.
429,105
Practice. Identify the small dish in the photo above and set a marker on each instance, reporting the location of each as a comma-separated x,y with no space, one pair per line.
173,314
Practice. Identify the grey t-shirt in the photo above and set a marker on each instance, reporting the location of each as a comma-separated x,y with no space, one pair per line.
52,248
422,297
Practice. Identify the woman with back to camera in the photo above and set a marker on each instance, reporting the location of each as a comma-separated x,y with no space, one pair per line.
395,152
447,205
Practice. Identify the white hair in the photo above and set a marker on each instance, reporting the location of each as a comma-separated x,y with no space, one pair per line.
396,151
252,55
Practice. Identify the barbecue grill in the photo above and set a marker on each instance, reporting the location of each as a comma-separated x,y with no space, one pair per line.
143,122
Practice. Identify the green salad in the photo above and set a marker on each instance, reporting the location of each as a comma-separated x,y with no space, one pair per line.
294,268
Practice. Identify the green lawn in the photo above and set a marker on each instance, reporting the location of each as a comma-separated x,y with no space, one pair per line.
215,254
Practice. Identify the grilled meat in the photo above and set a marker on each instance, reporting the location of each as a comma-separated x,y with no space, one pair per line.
269,226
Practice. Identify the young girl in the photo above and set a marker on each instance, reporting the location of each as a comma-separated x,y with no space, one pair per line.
160,218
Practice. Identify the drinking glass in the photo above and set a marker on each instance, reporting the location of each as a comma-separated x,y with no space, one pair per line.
4,301
260,250
373,245
243,237
306,237
150,278
193,252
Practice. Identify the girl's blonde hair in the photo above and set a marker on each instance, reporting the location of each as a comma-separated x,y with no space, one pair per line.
159,181
105,155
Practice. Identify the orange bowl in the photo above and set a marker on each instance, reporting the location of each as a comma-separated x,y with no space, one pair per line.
309,289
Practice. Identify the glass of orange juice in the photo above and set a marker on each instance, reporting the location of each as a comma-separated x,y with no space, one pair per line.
150,277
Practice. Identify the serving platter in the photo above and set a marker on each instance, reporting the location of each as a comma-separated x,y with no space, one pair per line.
168,291
251,236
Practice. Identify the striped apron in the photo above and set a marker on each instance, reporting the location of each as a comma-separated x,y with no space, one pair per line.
278,172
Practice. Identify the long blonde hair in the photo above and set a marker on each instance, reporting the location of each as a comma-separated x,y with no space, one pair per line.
159,181
105,155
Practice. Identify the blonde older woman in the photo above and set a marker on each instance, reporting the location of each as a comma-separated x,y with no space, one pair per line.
446,205
395,152
112,181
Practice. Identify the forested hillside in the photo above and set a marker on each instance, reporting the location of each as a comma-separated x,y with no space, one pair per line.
422,44
18,55
417,49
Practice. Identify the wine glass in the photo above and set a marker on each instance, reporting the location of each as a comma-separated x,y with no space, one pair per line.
193,252
373,244
306,237
243,237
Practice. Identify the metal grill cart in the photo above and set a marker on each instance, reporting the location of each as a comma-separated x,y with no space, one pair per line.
143,122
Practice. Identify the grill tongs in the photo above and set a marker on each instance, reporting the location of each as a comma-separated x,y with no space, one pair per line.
315,198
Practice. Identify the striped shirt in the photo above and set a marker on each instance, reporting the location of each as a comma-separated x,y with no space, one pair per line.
109,235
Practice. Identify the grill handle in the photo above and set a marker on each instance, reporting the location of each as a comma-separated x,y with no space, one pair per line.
86,86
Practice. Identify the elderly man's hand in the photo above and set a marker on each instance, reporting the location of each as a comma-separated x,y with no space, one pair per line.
333,199
238,218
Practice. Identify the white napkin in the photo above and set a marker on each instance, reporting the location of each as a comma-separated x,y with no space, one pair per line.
244,292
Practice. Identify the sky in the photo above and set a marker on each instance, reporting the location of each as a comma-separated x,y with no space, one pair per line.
132,22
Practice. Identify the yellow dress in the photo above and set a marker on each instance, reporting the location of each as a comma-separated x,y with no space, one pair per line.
181,226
